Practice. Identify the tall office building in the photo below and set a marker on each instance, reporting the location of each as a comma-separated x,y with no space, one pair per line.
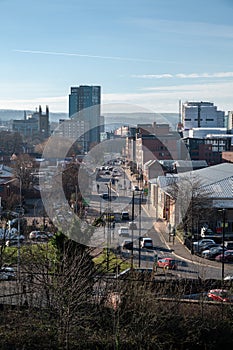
202,115
84,104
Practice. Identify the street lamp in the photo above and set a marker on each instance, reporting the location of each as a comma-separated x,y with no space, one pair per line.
132,228
19,218
223,241
108,223
140,228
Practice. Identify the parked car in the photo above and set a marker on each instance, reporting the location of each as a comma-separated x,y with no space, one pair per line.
220,295
7,273
127,244
212,252
105,195
123,231
40,235
206,246
146,242
228,256
125,215
132,225
203,242
228,278
167,263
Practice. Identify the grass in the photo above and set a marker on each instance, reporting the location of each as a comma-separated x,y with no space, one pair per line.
110,262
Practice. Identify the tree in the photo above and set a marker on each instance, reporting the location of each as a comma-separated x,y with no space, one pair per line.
192,203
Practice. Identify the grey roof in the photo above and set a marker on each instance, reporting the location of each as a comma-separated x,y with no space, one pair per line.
212,174
190,163
216,181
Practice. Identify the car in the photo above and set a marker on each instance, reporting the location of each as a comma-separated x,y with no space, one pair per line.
7,273
125,215
167,263
228,278
123,231
105,195
146,242
212,252
127,244
220,295
200,249
40,235
132,225
203,242
228,256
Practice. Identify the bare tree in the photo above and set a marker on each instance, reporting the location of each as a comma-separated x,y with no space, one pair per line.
192,202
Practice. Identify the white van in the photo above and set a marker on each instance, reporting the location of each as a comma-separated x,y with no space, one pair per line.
123,231
147,243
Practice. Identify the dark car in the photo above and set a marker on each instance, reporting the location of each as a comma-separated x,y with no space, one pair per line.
167,263
212,252
125,216
227,256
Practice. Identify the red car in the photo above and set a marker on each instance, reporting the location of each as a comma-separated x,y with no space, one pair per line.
220,295
167,263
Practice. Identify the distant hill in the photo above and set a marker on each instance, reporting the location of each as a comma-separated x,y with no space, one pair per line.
112,120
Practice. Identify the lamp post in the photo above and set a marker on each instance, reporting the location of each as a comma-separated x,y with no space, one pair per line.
223,241
108,223
140,228
19,218
132,233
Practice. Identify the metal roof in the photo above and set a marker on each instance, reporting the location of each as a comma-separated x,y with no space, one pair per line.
216,181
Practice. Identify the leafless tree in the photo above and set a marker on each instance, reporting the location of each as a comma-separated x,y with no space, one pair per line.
193,204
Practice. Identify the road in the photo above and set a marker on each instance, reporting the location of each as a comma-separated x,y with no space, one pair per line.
121,199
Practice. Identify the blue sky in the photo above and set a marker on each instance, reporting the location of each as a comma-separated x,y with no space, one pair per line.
145,53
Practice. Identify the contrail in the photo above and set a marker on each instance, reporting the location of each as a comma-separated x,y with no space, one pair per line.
89,56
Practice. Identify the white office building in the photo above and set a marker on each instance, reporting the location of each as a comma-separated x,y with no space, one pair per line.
202,115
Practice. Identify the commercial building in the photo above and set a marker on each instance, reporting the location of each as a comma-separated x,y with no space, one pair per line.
84,105
201,115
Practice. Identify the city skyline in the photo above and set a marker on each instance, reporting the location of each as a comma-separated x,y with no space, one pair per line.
148,54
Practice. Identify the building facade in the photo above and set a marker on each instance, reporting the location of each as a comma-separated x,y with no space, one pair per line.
35,125
201,115
84,105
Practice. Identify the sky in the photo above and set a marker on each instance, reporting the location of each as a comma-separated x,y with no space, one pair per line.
148,54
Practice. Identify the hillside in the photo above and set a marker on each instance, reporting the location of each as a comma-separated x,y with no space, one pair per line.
112,120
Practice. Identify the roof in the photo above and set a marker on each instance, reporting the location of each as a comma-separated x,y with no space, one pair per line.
190,164
216,181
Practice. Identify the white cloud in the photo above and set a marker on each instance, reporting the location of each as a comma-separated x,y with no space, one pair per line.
184,75
54,53
153,99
